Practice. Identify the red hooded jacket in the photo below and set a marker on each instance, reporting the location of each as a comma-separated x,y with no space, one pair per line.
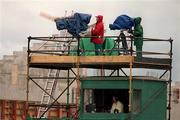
98,31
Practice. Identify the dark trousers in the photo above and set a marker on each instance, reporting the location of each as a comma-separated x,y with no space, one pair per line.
98,49
139,52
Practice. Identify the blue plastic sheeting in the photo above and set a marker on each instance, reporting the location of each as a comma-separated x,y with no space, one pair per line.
75,25
122,22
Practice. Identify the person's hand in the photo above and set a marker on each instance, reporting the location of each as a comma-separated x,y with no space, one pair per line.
92,25
130,31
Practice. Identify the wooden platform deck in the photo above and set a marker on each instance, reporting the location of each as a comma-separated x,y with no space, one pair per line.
106,62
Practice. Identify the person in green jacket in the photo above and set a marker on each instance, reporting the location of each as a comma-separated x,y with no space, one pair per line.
138,37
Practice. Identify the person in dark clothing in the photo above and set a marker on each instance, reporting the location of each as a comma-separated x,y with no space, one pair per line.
99,32
138,37
124,42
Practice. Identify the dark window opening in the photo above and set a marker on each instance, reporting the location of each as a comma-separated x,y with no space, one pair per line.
100,100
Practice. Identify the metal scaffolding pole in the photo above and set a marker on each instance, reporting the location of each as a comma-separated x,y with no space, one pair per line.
130,87
170,80
27,84
67,106
78,75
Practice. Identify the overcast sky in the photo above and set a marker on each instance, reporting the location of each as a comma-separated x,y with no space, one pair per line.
20,19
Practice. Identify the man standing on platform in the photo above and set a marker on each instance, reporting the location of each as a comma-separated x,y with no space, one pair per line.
138,37
99,32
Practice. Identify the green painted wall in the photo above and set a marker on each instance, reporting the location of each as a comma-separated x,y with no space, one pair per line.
153,98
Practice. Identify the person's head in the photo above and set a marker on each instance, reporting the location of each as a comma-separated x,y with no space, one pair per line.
121,31
115,99
99,18
137,20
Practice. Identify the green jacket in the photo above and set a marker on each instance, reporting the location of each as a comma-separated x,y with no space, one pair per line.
138,32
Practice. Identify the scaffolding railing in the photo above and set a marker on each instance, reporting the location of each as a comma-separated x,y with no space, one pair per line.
114,39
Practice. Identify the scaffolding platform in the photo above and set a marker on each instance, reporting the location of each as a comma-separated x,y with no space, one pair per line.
107,62
135,89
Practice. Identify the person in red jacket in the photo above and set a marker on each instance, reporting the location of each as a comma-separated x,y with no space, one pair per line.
99,32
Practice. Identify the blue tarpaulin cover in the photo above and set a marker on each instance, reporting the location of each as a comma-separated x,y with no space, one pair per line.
75,25
122,22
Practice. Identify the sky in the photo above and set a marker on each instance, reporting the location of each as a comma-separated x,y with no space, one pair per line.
20,19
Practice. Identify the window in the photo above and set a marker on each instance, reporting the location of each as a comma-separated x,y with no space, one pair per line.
100,100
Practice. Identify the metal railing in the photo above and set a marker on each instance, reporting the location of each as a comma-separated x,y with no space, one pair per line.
76,45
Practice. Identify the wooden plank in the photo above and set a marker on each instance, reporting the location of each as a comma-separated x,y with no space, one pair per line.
105,59
146,63
82,59
52,59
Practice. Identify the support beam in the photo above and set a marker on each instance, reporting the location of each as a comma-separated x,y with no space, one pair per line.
123,72
43,89
112,72
163,74
56,99
82,59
